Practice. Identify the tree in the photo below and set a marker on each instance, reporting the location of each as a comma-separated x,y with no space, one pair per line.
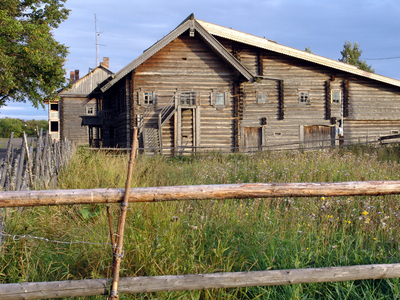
31,60
351,54
308,49
31,127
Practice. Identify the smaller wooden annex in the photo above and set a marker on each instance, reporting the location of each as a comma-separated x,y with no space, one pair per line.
74,115
204,86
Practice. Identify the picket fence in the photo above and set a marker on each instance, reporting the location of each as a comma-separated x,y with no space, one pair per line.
35,165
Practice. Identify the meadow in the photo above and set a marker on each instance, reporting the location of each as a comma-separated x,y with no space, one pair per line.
190,237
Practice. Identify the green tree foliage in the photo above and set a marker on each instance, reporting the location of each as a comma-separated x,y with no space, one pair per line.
8,125
31,60
308,49
351,54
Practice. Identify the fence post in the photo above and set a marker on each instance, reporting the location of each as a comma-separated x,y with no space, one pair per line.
118,252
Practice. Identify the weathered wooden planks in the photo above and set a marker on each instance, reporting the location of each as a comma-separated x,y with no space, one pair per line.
200,192
26,168
147,284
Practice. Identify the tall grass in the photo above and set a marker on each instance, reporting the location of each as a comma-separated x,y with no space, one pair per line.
218,236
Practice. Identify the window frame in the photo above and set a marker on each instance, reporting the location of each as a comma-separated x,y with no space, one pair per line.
142,97
300,96
146,100
217,94
340,96
90,110
261,95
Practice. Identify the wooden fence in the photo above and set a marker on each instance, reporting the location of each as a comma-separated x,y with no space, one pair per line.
198,281
33,166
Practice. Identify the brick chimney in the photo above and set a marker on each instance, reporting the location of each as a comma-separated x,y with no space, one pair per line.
105,63
72,76
76,75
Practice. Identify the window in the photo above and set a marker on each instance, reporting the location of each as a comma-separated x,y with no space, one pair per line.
336,96
261,97
54,126
148,98
54,106
220,99
304,97
89,110
188,98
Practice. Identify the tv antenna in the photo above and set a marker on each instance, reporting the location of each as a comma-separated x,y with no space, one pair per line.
97,40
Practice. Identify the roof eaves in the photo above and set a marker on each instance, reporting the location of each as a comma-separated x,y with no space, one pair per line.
263,43
213,42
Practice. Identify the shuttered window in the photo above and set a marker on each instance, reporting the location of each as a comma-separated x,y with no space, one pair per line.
219,99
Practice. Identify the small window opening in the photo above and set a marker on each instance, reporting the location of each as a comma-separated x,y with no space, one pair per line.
304,97
148,98
261,97
336,96
220,99
188,98
54,106
394,132
54,126
89,110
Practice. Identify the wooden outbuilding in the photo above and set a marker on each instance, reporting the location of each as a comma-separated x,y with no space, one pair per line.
204,86
76,114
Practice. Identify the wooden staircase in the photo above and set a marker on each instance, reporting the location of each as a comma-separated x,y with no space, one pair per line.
152,136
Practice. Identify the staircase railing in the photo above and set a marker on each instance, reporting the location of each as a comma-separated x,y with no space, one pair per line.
148,110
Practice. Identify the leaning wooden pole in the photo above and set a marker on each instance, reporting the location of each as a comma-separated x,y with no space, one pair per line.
147,284
199,192
118,252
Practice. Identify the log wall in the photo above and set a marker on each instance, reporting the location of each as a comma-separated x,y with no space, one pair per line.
71,109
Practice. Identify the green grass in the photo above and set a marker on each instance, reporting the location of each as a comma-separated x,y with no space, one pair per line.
191,237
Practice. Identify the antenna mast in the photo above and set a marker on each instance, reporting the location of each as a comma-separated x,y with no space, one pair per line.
97,40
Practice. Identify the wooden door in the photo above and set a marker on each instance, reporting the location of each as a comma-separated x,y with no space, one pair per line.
252,139
317,136
187,141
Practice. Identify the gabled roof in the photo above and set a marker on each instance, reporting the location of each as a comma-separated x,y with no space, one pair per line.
190,23
263,43
88,83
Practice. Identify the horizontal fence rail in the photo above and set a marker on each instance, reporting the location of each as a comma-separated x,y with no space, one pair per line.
144,284
199,192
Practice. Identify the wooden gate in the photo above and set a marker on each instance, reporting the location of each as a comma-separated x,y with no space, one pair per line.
252,139
318,136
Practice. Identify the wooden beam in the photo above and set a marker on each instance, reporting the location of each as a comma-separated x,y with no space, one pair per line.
130,285
199,192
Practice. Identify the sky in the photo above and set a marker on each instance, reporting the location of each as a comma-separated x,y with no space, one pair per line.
128,27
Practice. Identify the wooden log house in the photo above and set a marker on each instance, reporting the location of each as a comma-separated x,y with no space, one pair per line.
75,116
204,86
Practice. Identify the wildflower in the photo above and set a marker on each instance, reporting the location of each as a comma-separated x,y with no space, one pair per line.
174,218
367,220
300,232
322,198
193,227
334,246
365,213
